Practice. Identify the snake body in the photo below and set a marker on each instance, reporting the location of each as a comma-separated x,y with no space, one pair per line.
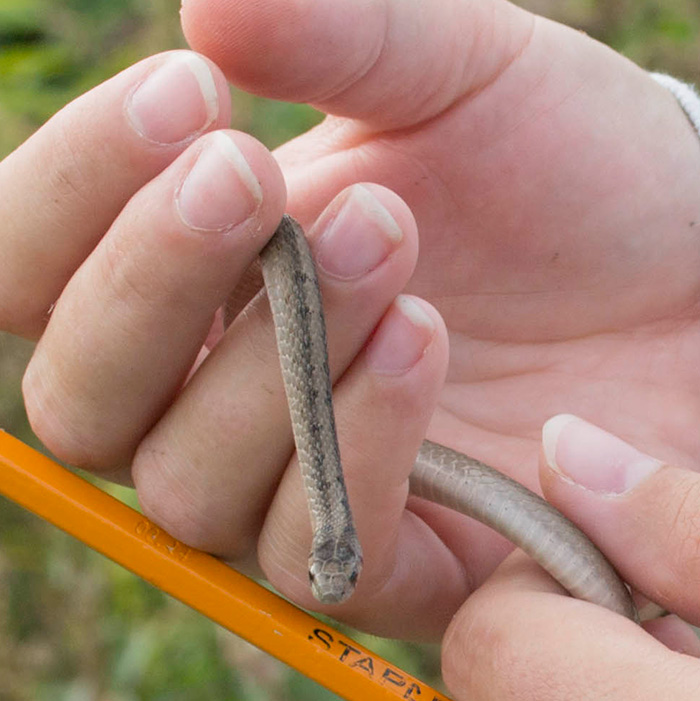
440,474
295,299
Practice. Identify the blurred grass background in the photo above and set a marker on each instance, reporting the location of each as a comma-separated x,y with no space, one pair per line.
74,626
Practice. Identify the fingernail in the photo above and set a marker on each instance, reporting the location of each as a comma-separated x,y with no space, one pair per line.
175,102
593,458
358,237
221,190
402,337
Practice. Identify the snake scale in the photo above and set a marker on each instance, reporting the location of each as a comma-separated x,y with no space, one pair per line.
440,474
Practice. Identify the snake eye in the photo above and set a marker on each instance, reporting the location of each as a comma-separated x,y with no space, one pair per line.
353,577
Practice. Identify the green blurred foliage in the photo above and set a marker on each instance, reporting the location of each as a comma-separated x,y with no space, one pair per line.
51,51
74,626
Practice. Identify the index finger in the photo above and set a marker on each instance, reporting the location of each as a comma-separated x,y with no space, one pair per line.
65,185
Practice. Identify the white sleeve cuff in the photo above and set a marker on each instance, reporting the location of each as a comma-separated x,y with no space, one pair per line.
686,95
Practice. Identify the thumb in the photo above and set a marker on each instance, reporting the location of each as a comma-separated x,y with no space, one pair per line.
642,513
390,62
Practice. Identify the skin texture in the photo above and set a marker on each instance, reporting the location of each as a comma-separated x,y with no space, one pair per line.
555,201
563,264
508,641
440,474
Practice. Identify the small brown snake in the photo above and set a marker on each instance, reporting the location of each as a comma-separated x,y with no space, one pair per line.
440,474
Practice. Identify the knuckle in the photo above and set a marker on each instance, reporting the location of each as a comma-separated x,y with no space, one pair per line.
54,424
175,501
475,651
128,279
24,305
492,650
72,175
680,543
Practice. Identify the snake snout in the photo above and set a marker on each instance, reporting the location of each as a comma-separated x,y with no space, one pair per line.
334,568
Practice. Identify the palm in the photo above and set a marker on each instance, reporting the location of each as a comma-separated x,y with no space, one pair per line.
554,186
566,283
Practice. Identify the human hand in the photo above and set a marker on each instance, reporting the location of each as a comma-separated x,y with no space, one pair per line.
517,637
555,189
526,223
125,226
101,218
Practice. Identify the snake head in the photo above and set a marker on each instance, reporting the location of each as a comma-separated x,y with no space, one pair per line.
335,564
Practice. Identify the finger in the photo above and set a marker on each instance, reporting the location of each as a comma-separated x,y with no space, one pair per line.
641,513
518,638
370,60
383,406
130,322
208,470
675,634
64,186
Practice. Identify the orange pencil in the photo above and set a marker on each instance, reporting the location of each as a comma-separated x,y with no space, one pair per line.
200,580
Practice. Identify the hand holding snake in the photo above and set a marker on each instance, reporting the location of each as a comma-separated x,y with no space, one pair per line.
554,203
